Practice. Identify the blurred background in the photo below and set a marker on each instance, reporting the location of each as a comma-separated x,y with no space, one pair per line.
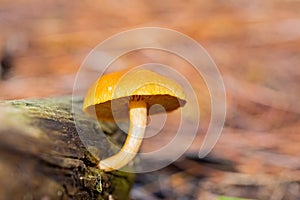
255,44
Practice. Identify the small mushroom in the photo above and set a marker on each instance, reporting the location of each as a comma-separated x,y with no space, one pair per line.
134,92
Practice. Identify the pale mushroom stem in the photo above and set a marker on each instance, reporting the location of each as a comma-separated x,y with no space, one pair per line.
138,121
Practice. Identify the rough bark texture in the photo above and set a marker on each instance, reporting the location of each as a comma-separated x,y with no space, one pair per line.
42,156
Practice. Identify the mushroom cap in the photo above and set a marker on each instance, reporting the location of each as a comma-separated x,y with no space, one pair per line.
109,96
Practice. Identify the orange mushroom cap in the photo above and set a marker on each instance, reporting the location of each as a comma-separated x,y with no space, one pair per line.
110,94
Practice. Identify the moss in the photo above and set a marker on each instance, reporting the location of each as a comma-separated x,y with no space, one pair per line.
122,186
92,179
117,184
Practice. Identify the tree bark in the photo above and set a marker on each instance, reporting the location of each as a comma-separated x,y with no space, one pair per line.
43,157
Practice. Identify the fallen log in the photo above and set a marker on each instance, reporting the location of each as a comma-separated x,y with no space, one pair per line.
43,157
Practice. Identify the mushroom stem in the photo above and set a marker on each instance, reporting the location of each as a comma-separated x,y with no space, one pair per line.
138,121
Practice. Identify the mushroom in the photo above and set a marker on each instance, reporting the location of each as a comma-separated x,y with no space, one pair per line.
115,94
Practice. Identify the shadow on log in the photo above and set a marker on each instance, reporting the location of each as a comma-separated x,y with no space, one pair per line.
42,156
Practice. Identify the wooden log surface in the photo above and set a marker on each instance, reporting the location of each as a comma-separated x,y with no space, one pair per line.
43,157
